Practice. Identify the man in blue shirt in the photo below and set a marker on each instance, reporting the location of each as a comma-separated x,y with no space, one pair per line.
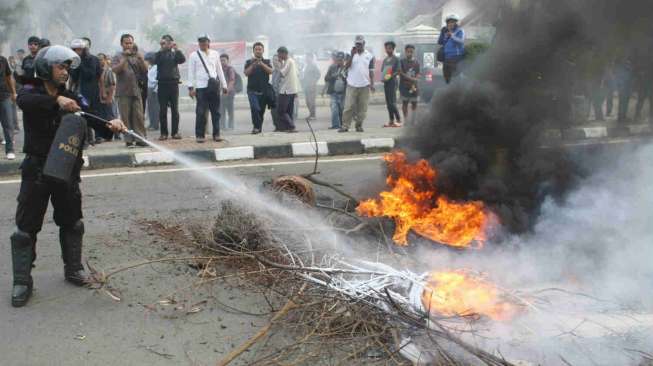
452,38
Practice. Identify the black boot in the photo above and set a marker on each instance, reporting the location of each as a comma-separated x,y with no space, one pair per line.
21,254
71,252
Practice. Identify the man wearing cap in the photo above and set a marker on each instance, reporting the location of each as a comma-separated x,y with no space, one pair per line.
452,38
85,80
336,81
167,61
206,82
360,82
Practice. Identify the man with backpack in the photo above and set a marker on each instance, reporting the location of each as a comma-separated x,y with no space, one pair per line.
206,81
452,52
234,86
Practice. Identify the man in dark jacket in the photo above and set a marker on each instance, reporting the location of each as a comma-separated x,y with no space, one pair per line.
45,108
336,81
85,80
167,61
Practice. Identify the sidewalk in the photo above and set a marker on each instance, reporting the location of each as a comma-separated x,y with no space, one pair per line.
241,145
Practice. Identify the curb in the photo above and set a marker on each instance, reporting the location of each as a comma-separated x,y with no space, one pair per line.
291,150
553,138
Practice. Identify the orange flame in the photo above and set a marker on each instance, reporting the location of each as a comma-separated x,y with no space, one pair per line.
461,294
414,204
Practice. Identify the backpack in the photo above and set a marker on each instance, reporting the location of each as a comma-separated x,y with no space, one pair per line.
238,84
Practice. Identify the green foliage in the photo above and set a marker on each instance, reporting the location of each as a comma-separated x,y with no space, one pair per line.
474,49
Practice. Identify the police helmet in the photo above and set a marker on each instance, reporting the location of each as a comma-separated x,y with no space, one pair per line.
54,55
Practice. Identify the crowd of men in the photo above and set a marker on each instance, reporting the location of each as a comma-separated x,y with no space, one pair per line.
141,86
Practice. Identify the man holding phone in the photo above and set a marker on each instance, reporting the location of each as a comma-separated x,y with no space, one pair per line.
258,70
360,82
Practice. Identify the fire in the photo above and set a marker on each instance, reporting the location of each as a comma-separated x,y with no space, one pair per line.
458,293
414,204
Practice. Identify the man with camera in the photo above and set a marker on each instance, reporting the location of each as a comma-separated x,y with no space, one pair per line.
259,90
360,82
129,67
206,82
167,61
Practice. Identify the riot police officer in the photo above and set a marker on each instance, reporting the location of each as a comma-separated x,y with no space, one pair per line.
46,107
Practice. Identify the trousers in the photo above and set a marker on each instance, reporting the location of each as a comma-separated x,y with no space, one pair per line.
337,106
168,97
131,112
356,100
35,192
285,106
227,108
210,101
390,90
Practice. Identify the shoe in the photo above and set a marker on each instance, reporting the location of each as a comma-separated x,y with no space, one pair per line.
141,144
176,136
99,140
342,129
256,131
71,251
150,128
22,255
334,128
129,144
117,138
200,140
218,139
20,295
359,129
163,137
292,131
11,156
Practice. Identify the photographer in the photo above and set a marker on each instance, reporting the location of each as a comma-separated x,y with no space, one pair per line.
167,61
259,90
129,67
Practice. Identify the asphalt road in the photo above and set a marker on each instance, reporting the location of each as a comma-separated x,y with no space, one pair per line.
66,325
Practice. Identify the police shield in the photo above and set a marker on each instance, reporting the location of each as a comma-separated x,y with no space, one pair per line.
66,150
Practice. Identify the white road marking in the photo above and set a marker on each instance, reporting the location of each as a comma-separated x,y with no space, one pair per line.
213,167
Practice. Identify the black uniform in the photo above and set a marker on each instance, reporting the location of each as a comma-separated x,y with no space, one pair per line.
42,116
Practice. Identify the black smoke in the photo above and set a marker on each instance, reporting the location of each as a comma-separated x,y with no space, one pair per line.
483,132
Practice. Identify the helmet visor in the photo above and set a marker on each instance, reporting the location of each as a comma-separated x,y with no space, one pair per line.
56,55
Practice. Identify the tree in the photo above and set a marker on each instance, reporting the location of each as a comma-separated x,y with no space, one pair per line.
10,14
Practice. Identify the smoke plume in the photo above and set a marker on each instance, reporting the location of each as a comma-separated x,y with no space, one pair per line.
483,132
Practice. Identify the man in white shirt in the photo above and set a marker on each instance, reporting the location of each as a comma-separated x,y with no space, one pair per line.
206,81
288,89
360,82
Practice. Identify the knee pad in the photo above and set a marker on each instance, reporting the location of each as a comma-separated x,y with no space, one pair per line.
21,238
77,227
